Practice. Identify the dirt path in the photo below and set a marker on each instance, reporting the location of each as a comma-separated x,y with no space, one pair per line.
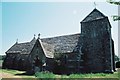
8,75
14,76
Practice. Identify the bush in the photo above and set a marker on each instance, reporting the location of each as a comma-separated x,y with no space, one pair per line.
116,58
44,74
118,64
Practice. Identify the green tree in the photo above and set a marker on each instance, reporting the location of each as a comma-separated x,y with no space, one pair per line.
116,58
115,17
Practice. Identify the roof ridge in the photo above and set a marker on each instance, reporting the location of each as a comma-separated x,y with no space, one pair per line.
26,42
23,42
62,35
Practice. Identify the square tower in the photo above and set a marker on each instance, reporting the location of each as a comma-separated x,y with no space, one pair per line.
97,43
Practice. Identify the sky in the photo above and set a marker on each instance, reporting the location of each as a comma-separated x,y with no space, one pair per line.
21,20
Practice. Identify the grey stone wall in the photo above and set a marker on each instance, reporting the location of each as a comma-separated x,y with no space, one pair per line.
97,45
36,51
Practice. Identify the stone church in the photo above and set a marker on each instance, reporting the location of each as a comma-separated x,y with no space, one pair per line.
91,51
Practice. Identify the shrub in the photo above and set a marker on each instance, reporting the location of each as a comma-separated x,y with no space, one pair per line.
116,58
44,74
118,64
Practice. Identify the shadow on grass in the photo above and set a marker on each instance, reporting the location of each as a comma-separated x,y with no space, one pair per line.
24,74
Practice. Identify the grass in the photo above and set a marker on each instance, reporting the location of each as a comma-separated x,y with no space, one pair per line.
51,75
90,75
119,73
45,75
97,75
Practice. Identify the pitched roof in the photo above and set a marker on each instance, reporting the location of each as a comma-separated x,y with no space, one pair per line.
47,49
63,44
60,44
24,48
94,15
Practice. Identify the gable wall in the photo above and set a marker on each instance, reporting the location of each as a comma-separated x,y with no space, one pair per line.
36,51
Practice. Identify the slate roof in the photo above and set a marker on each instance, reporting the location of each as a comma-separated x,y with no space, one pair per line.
24,48
48,49
60,44
63,44
94,15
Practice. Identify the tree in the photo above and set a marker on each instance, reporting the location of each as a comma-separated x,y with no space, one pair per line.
116,17
116,58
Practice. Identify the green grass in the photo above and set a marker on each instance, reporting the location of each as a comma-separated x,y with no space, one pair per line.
45,75
90,75
119,73
97,75
51,75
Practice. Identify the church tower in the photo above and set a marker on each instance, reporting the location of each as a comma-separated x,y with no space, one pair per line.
97,43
